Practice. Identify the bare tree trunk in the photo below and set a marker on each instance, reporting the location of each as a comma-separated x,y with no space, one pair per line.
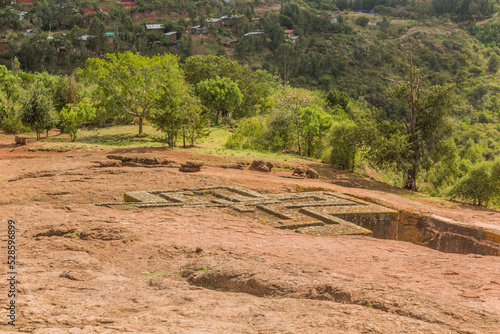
140,125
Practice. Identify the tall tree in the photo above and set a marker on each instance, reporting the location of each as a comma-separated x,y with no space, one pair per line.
133,82
293,100
426,122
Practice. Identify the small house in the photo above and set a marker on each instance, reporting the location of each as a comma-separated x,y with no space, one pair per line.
253,33
228,42
294,39
288,34
155,28
171,35
217,22
22,15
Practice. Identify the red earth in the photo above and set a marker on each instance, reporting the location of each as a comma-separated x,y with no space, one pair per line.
83,268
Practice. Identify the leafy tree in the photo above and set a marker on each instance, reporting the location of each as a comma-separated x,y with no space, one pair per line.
344,143
171,109
74,116
337,98
220,96
185,47
481,186
45,15
314,126
199,68
293,100
37,109
9,18
287,60
132,82
195,124
66,92
96,32
426,123
494,63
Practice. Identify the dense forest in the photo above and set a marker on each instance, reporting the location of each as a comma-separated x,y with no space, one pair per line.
409,88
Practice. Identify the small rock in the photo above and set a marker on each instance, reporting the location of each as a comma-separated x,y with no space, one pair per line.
312,174
185,168
233,166
20,140
300,171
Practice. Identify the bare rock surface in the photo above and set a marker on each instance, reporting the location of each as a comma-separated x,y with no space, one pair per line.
90,269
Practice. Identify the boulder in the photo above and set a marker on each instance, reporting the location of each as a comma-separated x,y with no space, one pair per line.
233,166
261,166
20,140
311,173
300,171
194,163
185,168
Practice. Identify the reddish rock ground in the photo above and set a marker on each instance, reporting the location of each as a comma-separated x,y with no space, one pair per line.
88,269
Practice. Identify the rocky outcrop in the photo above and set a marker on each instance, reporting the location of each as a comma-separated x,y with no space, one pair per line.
261,166
141,159
191,166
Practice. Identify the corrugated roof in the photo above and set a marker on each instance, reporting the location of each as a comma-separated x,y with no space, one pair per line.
170,33
253,33
155,26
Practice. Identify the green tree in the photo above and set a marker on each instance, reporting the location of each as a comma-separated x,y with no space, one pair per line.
73,116
131,82
96,32
337,98
293,100
426,123
314,126
287,59
185,47
481,186
220,96
344,143
37,109
199,68
494,63
171,108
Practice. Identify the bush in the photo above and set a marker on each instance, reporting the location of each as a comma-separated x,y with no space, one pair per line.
11,123
251,135
343,139
362,21
481,186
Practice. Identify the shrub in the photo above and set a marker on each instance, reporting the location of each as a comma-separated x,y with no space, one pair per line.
250,135
11,123
362,21
481,186
343,140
